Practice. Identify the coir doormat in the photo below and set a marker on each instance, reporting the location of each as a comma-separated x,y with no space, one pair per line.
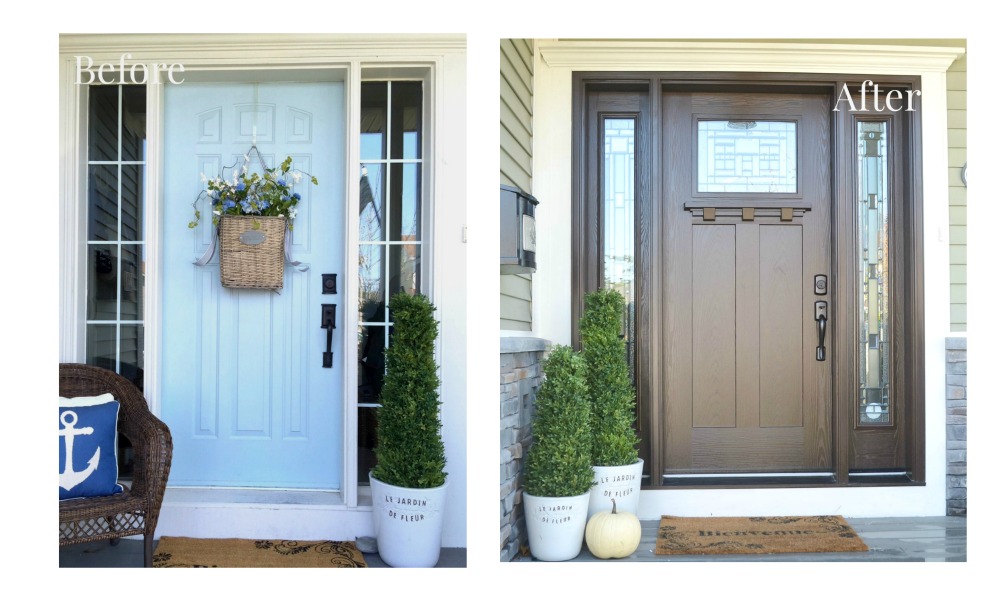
182,552
736,535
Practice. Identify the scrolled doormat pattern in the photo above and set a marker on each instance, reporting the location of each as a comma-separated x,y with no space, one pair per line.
183,552
738,535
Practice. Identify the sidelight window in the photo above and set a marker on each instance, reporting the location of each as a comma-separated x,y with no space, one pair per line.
390,233
874,405
116,166
619,220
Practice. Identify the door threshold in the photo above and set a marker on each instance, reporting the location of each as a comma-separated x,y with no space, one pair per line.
885,477
747,479
193,495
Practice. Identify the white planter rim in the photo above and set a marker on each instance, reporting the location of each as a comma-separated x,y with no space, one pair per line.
383,482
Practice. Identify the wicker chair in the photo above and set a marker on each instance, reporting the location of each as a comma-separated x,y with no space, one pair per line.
136,510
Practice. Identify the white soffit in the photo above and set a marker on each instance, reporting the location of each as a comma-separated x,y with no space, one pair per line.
594,55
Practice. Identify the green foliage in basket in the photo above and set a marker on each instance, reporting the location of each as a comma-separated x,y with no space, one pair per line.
266,194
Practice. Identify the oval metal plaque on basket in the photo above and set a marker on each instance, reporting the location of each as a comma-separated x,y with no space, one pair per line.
253,237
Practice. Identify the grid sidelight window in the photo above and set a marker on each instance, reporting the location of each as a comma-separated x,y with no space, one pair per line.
116,166
390,233
874,407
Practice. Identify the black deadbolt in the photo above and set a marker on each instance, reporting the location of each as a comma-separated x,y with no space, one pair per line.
329,283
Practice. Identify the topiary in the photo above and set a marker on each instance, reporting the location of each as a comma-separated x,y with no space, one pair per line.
558,462
612,397
409,448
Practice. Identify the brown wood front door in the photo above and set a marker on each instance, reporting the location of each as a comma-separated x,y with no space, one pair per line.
745,230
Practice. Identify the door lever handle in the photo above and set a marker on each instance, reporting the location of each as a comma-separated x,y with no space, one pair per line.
329,321
821,311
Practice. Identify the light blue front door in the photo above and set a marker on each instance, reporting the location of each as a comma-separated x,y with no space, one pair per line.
244,392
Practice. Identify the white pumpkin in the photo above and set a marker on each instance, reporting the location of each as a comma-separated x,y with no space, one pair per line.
612,535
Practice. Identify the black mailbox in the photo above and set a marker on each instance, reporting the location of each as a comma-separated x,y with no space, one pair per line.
517,230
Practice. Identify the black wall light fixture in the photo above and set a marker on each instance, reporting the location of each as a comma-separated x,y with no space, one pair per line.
517,231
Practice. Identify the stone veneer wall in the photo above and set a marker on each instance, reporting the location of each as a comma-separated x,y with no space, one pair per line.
520,376
955,374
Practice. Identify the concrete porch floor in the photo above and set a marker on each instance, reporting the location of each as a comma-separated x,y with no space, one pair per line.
936,539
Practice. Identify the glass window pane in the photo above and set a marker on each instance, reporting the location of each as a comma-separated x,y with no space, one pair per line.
404,269
371,362
873,270
404,198
372,203
102,119
619,219
747,156
132,187
132,282
102,346
102,196
407,97
371,283
367,430
373,120
102,282
130,354
133,123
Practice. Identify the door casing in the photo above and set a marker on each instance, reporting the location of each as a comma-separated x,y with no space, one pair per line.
907,224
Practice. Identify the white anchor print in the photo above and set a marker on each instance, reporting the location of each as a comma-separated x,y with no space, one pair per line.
68,478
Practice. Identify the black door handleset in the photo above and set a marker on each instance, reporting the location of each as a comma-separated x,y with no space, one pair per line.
328,320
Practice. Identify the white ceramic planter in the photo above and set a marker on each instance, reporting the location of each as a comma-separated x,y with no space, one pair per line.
621,482
555,525
408,523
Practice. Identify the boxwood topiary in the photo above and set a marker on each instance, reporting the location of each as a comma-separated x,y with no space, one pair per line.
612,396
409,448
558,462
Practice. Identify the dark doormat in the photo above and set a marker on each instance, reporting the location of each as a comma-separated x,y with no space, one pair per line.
182,552
739,535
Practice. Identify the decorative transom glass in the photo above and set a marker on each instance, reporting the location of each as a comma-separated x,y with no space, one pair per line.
741,156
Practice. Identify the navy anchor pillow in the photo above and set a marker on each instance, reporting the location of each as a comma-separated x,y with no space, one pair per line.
88,447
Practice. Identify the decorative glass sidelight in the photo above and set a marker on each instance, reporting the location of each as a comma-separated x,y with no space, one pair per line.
874,405
619,220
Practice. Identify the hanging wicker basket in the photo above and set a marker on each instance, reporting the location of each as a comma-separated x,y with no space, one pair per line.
252,252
